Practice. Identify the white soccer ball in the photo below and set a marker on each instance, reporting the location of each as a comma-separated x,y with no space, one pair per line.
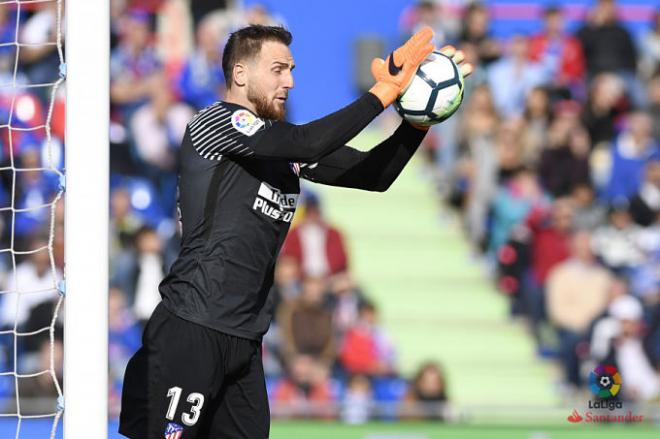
435,92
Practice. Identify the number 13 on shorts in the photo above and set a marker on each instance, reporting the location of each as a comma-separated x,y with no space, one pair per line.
196,399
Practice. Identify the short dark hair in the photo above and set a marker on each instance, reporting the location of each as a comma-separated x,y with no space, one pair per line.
551,10
246,43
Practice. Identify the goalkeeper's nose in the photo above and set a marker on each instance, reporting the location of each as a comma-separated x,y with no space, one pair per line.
287,79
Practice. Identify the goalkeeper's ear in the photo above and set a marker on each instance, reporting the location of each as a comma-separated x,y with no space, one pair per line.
239,74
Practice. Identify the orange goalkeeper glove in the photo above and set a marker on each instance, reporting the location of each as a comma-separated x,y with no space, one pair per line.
395,73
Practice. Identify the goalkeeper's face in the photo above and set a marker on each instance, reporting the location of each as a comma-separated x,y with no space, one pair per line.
270,79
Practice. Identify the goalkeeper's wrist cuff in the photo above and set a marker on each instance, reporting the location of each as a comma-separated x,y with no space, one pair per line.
417,127
385,92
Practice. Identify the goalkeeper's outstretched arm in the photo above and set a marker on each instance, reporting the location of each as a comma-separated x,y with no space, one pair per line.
373,170
212,134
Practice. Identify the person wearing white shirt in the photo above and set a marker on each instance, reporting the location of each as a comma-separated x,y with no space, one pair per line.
32,284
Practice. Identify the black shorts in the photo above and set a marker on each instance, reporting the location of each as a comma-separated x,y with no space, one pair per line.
188,381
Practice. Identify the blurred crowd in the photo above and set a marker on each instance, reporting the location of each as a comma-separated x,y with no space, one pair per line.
31,207
553,164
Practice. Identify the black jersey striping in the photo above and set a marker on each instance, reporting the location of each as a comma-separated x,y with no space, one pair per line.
213,133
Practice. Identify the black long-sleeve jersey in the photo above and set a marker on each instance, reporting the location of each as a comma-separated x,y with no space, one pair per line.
238,190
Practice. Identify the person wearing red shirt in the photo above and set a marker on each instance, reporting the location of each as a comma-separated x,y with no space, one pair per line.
550,236
317,246
366,349
559,51
306,391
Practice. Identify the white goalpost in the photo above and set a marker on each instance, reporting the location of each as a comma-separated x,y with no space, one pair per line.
28,107
86,229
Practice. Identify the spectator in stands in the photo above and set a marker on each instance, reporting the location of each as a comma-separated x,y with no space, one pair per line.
124,338
358,401
425,13
605,104
271,357
476,31
202,82
306,326
481,119
138,272
650,49
316,245
135,69
345,300
479,127
576,293
654,104
124,335
35,189
41,60
537,118
645,204
117,10
608,47
590,213
618,340
550,237
479,73
560,53
620,243
7,35
58,124
427,395
366,349
33,276
124,223
31,118
644,279
630,152
287,288
40,317
567,150
158,128
38,394
512,204
287,282
512,77
651,299
306,391
510,149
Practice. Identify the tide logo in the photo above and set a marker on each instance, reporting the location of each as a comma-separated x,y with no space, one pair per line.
272,202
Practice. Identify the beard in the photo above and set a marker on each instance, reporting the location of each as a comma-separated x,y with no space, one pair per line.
264,108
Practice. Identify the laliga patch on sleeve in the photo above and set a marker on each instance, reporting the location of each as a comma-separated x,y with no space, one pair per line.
246,122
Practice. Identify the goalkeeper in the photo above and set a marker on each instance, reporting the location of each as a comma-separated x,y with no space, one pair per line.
198,373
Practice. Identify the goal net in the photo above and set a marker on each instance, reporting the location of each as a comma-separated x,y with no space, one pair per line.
32,188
